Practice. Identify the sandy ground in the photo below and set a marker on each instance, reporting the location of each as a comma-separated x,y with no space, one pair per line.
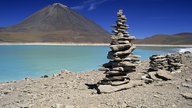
68,90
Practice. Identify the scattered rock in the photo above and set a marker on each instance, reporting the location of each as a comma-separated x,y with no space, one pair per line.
187,95
188,80
57,105
24,107
186,85
187,52
4,92
65,71
164,75
157,76
111,89
117,83
153,76
146,79
44,76
157,96
27,78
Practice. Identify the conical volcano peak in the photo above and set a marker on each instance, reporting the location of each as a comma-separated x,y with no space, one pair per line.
57,23
59,4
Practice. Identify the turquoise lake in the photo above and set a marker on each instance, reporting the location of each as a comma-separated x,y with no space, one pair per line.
20,61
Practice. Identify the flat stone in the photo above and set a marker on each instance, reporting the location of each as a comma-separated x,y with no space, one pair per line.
114,37
123,42
119,64
111,89
164,75
121,20
120,30
120,12
123,17
134,56
115,31
153,57
124,27
186,85
57,105
116,78
153,76
118,69
188,80
146,79
120,47
129,59
118,83
126,52
127,38
119,23
176,71
127,63
125,58
176,64
187,95
115,73
103,69
44,76
160,60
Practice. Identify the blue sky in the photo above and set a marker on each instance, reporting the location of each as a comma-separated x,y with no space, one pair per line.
145,17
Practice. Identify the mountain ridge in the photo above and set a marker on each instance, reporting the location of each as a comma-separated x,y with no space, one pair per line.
55,23
184,38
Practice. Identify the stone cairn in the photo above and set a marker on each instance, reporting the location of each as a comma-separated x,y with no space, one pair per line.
170,62
122,59
161,67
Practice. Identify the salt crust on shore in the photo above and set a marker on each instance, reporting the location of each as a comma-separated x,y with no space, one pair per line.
68,90
92,44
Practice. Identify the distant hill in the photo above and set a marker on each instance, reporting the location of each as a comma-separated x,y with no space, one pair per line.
175,39
55,23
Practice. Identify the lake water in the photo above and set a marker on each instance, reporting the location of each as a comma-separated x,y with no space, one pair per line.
20,61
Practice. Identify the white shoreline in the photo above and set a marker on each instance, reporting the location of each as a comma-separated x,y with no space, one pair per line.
90,44
64,44
157,45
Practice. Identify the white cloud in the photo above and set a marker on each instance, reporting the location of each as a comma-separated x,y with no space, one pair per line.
89,4
95,4
77,7
90,1
92,7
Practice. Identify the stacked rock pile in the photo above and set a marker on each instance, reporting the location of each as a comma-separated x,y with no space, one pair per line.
170,62
161,67
122,59
174,62
158,62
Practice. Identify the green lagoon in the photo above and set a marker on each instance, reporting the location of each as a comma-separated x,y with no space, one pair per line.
20,61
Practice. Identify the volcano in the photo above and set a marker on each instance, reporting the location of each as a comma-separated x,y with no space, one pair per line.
55,23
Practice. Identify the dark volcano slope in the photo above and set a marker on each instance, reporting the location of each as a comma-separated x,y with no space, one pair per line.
55,23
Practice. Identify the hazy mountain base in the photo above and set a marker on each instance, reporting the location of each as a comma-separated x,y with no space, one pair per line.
68,90
57,36
77,37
